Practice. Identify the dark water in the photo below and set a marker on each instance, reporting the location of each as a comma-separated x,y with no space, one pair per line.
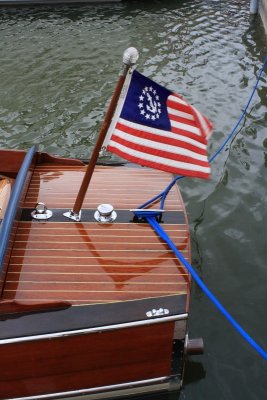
57,71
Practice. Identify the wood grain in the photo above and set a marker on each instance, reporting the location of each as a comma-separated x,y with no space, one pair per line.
86,361
88,262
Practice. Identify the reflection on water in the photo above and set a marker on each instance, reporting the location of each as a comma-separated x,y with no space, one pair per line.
58,69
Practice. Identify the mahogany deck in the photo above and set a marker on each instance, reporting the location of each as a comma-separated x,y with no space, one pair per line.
89,262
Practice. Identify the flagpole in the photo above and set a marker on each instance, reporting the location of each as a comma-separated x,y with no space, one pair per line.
130,56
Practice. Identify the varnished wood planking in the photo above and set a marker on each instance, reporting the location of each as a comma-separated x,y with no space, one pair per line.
125,187
94,282
118,234
10,161
96,230
111,254
87,244
85,297
111,269
113,262
94,360
88,277
104,262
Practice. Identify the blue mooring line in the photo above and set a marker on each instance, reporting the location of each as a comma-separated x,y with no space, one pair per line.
165,192
151,219
242,115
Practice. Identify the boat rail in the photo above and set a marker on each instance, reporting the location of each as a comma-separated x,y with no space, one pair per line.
18,190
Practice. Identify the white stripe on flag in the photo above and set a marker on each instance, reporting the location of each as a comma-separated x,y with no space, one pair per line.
159,146
159,160
162,133
185,127
202,122
119,107
176,99
181,114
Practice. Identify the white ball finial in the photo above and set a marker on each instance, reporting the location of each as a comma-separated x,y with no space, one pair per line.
130,56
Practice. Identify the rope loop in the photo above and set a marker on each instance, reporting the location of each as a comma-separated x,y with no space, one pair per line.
153,217
165,192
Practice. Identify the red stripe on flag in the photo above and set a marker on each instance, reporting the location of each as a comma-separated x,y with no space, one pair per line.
191,135
160,139
181,119
209,124
178,106
152,164
160,153
205,131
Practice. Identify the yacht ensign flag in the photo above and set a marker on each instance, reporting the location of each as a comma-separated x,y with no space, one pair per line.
157,128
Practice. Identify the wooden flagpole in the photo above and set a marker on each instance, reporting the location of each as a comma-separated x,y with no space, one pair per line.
130,56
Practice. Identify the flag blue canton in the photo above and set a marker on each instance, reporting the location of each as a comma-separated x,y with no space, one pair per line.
145,103
157,128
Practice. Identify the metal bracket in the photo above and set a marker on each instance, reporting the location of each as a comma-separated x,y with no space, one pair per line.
41,213
140,214
72,215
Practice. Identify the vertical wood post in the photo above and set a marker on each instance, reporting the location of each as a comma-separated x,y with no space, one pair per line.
130,57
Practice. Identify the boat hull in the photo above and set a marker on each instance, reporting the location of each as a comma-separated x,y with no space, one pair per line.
89,308
89,362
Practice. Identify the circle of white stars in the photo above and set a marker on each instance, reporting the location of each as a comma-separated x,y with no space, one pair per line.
149,104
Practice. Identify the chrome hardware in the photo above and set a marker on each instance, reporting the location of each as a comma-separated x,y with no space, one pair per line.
72,215
157,313
98,329
41,212
130,56
105,213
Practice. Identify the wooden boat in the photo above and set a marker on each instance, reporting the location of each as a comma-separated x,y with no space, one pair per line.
94,306
87,307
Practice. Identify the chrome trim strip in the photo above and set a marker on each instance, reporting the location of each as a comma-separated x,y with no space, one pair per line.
93,330
164,383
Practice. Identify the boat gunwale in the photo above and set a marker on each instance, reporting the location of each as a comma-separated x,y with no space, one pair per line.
14,207
150,386
78,332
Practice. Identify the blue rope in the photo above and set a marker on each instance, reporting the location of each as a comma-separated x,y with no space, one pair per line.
165,192
150,217
241,116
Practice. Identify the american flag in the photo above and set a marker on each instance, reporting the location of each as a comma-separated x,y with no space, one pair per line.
157,128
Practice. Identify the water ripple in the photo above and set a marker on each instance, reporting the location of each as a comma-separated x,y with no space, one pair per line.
58,69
